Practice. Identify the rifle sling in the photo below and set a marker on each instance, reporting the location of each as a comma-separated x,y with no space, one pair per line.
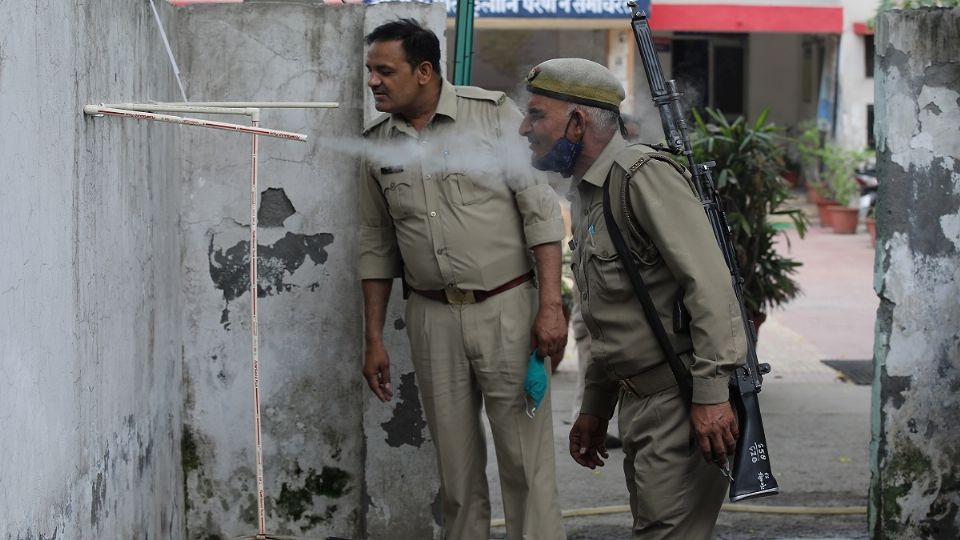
640,289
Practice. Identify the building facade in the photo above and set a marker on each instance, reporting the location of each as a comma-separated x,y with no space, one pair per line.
804,60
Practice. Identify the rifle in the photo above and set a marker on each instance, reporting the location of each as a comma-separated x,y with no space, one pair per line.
751,475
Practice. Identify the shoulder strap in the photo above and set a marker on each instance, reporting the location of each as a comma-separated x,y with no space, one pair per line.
640,289
474,92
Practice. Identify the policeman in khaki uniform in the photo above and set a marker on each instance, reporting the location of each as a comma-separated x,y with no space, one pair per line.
672,449
438,209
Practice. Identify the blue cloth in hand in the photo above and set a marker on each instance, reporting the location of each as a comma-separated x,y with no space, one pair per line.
535,385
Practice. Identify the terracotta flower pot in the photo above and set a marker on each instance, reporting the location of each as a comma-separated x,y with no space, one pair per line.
872,229
844,220
822,211
792,177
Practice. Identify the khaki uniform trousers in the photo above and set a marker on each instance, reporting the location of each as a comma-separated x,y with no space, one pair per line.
476,355
674,493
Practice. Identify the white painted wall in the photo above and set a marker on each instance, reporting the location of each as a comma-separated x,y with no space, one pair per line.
89,287
855,90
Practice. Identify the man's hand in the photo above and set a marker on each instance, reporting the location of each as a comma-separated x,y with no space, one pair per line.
549,332
715,429
376,369
587,436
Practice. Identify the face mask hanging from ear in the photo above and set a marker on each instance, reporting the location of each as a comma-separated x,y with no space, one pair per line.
562,156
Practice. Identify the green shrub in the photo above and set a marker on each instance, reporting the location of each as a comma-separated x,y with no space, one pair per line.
748,175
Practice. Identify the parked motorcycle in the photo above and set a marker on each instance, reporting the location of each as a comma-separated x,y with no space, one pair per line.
867,180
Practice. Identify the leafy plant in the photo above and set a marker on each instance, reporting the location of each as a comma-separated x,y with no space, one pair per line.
839,167
748,175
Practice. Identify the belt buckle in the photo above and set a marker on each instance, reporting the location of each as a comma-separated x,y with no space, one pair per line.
459,297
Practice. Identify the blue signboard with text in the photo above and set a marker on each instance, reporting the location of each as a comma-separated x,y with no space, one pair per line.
544,9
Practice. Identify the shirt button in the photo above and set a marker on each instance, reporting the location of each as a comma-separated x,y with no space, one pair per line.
583,295
427,177
584,211
440,251
433,214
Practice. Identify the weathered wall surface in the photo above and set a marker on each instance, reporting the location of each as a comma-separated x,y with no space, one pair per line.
90,343
915,490
337,462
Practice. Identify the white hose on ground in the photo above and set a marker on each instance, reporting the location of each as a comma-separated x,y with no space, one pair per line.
741,508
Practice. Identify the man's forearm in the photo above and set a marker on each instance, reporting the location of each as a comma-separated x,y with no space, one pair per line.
548,259
376,295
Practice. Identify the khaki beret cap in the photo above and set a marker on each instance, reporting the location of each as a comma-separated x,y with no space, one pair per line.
576,80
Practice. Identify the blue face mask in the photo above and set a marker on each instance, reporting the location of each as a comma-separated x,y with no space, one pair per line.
562,156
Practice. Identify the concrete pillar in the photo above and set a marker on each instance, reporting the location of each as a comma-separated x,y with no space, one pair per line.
337,462
915,487
90,282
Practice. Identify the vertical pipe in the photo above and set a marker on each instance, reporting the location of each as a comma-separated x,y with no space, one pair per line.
463,48
254,336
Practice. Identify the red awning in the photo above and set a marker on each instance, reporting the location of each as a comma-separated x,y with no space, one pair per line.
746,18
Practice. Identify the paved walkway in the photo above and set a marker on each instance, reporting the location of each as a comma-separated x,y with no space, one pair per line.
818,425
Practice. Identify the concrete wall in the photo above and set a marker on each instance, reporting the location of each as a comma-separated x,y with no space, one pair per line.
503,58
90,343
338,463
775,78
916,443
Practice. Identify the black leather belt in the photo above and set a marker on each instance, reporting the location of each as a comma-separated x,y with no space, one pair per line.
453,295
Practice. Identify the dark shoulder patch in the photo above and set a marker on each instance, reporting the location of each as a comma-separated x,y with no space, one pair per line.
473,92
374,123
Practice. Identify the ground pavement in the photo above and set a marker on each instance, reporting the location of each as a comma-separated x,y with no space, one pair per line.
817,423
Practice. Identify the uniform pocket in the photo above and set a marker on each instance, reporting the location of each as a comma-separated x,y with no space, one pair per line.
399,195
608,277
467,187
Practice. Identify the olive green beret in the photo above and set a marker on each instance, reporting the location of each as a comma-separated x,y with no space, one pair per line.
576,80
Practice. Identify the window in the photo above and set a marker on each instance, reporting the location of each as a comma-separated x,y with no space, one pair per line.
710,71
868,53
871,142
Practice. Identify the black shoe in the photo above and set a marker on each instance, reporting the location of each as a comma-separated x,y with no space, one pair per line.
612,442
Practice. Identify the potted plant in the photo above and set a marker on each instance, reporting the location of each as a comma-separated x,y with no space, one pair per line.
807,146
748,175
839,167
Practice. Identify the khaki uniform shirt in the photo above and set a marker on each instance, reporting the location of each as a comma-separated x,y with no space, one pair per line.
677,252
457,204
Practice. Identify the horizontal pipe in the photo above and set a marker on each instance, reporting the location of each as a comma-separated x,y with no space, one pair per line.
265,104
165,107
96,110
736,508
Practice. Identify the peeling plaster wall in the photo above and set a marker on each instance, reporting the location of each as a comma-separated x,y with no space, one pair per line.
337,463
90,343
915,489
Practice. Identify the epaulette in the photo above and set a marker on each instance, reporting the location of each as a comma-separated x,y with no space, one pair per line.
473,92
635,156
374,123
